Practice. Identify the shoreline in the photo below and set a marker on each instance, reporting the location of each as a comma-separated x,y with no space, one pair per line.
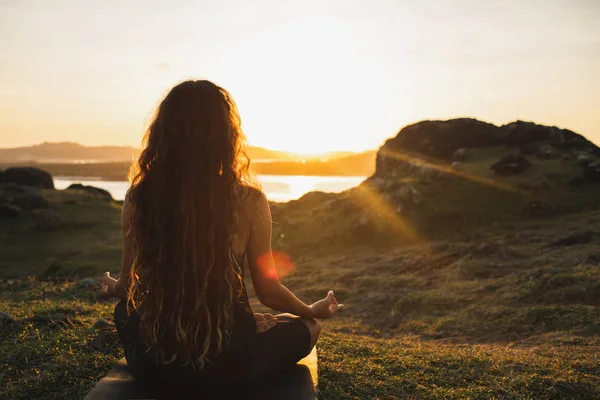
278,188
118,171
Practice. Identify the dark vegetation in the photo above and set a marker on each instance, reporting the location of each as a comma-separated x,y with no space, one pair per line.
458,282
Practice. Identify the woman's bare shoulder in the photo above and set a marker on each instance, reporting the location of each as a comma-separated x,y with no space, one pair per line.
253,200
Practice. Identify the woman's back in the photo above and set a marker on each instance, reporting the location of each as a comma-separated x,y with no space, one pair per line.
191,223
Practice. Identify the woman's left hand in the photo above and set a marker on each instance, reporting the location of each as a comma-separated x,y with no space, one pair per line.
264,322
108,284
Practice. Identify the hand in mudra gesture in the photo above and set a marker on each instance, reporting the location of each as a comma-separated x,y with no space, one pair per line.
327,307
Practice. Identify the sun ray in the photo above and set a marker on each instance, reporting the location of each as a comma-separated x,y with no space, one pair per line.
452,171
385,216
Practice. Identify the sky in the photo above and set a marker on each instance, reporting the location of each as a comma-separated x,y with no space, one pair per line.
309,76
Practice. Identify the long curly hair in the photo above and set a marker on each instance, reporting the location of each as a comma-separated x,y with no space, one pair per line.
184,195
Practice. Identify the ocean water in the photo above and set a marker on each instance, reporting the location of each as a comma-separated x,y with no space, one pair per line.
280,188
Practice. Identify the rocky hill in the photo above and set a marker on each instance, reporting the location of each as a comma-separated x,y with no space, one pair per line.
442,178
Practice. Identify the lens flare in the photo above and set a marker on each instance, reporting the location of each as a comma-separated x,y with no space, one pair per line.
276,264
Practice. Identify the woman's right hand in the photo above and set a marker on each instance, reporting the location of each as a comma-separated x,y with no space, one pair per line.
327,307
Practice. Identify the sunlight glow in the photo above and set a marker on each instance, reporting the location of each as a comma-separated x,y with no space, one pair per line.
309,77
275,264
383,215
450,171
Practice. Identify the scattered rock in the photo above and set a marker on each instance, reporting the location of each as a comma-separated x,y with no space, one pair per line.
9,210
104,194
510,165
546,152
457,166
460,154
574,239
28,176
103,324
7,322
408,194
46,219
584,158
88,282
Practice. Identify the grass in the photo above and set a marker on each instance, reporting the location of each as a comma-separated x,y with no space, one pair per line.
356,360
89,241
489,312
42,362
356,366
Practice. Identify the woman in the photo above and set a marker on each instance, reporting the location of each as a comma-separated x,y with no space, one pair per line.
192,223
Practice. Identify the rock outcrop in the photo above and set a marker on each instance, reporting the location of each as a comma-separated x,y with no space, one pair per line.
24,197
27,176
91,190
444,141
510,165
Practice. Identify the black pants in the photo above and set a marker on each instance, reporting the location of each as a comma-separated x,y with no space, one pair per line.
239,370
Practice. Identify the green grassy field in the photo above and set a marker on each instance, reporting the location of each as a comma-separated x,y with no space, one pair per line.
497,313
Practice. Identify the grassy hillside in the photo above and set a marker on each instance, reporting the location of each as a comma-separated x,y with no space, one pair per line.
447,204
506,311
88,242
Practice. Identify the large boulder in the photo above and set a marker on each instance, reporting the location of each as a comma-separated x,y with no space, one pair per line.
28,176
91,190
46,219
460,154
25,197
510,165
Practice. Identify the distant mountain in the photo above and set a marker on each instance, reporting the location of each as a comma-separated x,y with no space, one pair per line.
66,152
